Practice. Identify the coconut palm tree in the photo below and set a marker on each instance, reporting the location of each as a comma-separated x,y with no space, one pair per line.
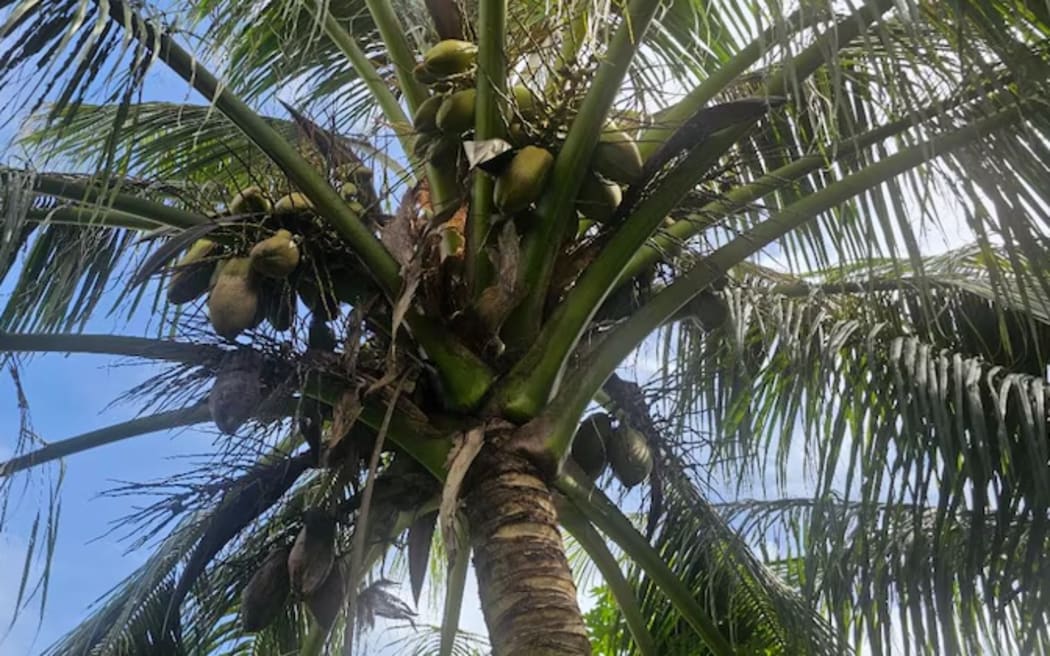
468,273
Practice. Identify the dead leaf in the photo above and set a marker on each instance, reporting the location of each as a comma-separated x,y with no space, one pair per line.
420,539
402,234
344,415
464,450
490,155
497,301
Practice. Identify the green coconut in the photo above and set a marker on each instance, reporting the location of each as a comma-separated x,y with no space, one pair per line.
525,100
294,203
425,118
233,305
450,57
456,114
629,455
588,446
194,272
348,190
598,199
522,182
250,200
617,157
423,76
276,256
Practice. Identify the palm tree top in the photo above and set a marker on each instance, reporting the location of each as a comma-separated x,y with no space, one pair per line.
446,272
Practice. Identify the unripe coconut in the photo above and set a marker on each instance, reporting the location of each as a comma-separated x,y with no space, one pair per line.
524,100
444,151
194,273
450,57
266,592
348,190
250,200
617,157
237,392
423,76
421,144
276,256
313,553
588,446
516,134
524,179
293,203
630,455
598,199
456,114
233,305
425,118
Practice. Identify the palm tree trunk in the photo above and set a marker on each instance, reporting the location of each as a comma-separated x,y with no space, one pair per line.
527,592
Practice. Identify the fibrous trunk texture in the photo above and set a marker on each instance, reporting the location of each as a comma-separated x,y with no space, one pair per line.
527,592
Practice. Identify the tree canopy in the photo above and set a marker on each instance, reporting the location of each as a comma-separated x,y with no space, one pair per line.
792,253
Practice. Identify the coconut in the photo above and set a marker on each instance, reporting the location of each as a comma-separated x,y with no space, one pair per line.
598,199
276,256
313,553
630,455
293,203
444,152
425,118
456,114
423,76
194,273
250,200
588,446
348,190
233,305
524,179
237,393
266,592
617,157
328,599
525,101
450,57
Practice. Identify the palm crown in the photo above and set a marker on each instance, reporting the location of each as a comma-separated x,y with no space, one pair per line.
406,246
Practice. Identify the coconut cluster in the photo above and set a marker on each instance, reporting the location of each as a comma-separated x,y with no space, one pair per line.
599,444
307,570
447,118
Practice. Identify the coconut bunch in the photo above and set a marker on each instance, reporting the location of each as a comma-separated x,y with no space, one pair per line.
522,166
307,571
599,444
258,272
